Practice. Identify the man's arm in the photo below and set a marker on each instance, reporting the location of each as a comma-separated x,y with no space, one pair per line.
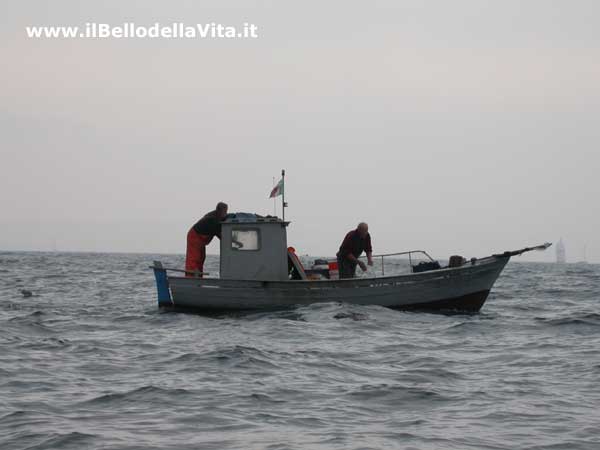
369,250
351,257
355,260
217,225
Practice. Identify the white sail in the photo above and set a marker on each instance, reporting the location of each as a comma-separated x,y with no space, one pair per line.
561,254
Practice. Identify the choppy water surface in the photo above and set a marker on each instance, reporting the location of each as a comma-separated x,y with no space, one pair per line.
89,362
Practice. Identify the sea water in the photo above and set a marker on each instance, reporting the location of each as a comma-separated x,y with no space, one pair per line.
89,362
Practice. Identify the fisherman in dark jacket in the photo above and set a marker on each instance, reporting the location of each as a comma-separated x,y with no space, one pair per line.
355,242
200,236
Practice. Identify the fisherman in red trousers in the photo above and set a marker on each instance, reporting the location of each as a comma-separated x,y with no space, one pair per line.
200,236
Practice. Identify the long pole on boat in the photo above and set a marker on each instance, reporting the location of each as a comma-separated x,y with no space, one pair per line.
283,204
274,201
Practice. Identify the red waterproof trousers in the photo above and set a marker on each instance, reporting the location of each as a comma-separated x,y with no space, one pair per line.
196,252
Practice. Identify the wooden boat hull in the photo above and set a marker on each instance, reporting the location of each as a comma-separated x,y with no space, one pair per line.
464,288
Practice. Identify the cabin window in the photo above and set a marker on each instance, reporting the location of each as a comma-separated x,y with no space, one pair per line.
245,240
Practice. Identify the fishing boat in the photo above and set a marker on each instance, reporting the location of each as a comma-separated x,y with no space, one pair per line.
259,271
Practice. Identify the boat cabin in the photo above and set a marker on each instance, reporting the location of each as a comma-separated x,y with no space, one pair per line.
254,248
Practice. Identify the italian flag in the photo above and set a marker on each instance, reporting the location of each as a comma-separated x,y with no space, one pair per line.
277,190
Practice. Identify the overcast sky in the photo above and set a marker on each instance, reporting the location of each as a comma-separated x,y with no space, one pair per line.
465,127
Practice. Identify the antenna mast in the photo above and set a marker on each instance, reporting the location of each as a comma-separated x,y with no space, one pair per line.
283,203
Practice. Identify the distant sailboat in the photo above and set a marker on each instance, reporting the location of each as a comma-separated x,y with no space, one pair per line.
561,254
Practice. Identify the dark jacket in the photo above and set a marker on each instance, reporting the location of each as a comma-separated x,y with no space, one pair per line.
354,244
209,225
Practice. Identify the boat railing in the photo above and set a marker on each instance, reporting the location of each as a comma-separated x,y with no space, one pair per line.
410,254
158,266
411,257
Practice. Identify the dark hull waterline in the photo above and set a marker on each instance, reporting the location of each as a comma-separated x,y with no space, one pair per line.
469,303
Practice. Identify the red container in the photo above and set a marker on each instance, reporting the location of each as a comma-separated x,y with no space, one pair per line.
334,273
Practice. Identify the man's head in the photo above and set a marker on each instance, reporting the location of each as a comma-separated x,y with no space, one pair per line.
363,229
221,210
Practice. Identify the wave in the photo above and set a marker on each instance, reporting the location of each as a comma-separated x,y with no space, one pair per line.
148,393
395,393
32,322
587,319
49,343
236,356
63,441
351,315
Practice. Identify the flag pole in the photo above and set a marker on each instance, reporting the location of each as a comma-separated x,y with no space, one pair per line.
283,205
274,201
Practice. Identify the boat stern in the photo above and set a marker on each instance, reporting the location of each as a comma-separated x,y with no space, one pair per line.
162,284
